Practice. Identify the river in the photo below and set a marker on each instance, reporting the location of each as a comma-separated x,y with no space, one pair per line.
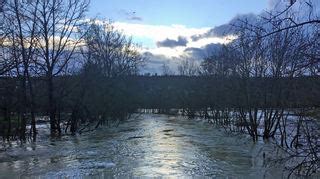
146,146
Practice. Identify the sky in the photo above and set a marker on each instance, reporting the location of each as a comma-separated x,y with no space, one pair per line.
165,29
192,13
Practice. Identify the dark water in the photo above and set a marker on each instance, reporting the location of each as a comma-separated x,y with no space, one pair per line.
147,146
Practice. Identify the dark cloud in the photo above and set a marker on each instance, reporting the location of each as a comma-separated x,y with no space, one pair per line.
201,53
182,41
154,59
227,29
155,63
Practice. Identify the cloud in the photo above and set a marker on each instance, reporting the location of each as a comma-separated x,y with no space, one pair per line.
168,40
202,42
179,51
171,43
158,32
165,51
198,43
155,63
182,41
228,28
156,59
203,52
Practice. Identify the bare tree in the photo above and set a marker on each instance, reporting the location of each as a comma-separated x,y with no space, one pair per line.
5,65
287,15
20,18
166,71
221,63
188,67
108,55
111,51
58,22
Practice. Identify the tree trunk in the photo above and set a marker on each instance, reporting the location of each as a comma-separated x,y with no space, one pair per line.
23,106
51,106
33,129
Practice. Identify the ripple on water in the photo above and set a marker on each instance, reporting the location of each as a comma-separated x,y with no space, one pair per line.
148,146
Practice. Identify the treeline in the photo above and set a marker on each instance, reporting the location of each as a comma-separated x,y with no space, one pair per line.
201,92
90,99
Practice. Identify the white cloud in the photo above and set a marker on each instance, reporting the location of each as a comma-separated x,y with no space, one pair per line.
160,32
166,51
210,40
180,50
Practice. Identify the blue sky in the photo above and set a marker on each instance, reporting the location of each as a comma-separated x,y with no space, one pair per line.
192,13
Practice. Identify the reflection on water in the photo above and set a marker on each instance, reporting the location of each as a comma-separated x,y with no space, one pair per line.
148,146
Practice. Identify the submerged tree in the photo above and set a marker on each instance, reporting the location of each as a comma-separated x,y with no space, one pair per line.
59,23
109,56
19,19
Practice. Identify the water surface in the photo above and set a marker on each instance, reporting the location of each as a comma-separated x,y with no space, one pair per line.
145,146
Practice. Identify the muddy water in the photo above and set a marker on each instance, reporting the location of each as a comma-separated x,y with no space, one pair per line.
146,146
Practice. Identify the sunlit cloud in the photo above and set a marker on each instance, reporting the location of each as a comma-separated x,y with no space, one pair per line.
179,51
158,32
210,40
166,51
169,44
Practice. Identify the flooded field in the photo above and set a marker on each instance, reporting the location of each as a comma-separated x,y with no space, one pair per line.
145,146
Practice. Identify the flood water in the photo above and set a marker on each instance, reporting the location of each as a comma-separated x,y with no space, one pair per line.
145,146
